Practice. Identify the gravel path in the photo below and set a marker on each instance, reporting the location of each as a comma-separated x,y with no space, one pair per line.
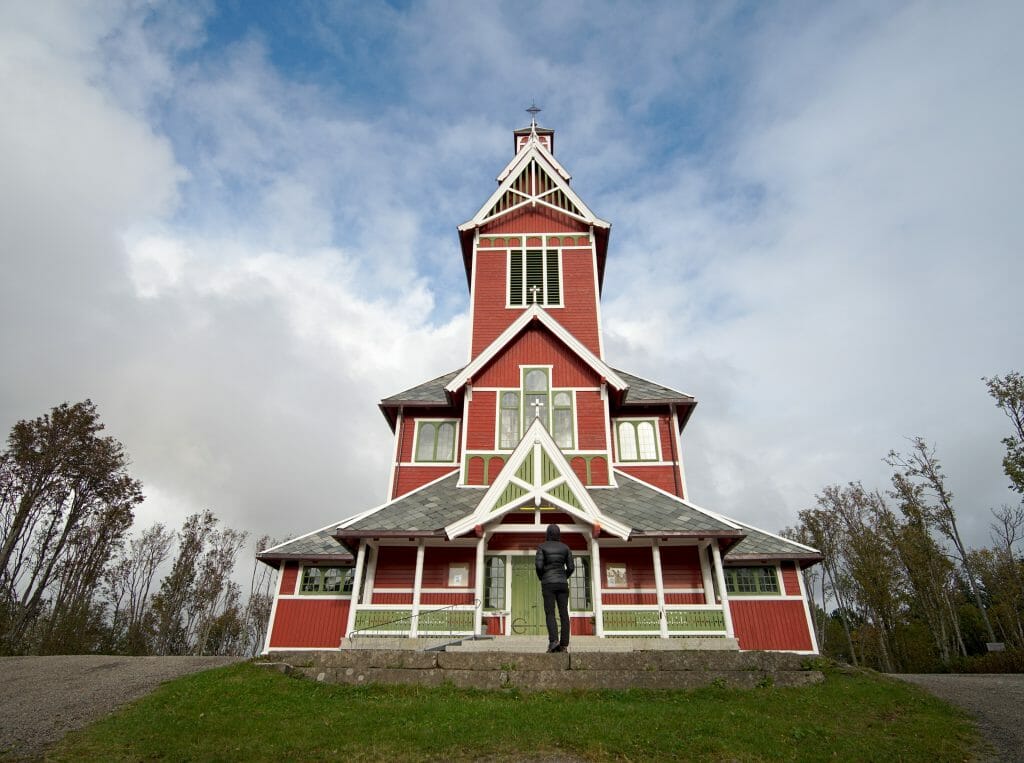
43,698
996,701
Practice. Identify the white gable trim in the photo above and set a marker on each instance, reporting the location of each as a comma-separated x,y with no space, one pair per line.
533,142
536,441
536,312
559,177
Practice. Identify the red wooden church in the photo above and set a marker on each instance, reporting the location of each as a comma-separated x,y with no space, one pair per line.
538,428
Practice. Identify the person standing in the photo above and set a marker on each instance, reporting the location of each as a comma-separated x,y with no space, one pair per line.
554,568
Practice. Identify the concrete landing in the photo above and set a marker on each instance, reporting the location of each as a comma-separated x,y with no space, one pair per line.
530,671
539,644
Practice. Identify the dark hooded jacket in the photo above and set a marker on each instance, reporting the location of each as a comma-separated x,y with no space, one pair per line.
554,559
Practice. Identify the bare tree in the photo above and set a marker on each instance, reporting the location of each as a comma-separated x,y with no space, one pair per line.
1008,392
129,583
66,501
922,469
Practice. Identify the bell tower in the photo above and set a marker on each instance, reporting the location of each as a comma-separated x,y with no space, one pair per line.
534,242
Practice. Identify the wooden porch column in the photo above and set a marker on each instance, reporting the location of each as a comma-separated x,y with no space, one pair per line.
720,576
807,607
357,584
417,588
478,589
705,573
659,586
595,581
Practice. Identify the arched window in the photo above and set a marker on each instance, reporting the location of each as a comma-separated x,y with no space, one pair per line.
435,441
637,440
509,424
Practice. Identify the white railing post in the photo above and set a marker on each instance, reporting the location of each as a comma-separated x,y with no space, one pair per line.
720,576
357,584
595,581
659,586
478,589
417,588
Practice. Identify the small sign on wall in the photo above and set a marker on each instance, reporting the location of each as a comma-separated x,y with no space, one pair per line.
615,575
458,575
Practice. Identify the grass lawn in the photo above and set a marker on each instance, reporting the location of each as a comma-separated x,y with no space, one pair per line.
245,713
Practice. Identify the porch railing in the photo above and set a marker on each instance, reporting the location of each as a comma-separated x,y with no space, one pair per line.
632,620
451,620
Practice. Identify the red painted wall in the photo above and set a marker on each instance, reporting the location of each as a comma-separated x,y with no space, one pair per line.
538,220
790,580
409,478
664,477
680,567
480,434
396,568
530,541
578,314
590,418
289,578
309,622
536,346
765,624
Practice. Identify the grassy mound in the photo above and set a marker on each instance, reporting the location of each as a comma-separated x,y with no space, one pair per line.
245,713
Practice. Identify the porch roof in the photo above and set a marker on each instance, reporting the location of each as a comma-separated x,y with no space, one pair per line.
764,545
319,545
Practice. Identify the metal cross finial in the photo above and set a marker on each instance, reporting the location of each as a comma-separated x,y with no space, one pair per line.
533,292
533,111
537,405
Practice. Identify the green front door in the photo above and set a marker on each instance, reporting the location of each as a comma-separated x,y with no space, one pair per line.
527,602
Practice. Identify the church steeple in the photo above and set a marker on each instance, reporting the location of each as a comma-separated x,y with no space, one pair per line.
542,135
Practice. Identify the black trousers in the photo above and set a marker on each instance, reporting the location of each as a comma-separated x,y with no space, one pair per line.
556,593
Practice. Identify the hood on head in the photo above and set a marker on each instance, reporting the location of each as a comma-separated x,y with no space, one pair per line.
554,533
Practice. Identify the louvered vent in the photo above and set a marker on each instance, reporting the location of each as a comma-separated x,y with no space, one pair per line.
515,278
554,295
534,277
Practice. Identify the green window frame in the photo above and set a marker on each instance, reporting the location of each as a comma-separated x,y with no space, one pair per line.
751,581
319,580
496,570
580,591
534,276
562,419
637,440
435,441
508,419
536,397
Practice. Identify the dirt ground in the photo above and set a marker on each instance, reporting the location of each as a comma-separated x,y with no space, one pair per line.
43,698
996,701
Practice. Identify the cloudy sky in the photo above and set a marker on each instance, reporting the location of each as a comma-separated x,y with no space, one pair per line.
233,227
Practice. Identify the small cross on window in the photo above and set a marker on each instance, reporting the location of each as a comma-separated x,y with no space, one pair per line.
537,405
533,293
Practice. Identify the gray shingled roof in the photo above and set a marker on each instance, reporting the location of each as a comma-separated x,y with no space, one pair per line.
645,391
640,391
761,545
316,545
647,510
430,392
430,509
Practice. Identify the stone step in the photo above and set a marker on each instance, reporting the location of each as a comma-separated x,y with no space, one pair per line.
531,671
595,644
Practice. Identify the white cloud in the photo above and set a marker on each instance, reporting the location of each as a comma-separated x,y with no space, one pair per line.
815,233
